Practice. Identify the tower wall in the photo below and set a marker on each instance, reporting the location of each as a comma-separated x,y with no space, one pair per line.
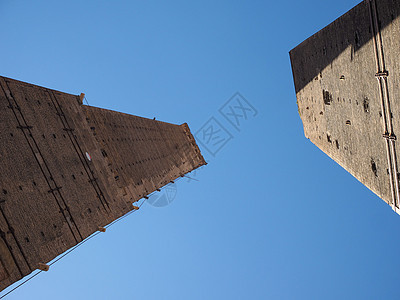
68,169
341,93
142,154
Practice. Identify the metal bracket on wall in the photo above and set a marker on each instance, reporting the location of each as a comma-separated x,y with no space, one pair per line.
24,127
56,189
389,136
383,74
68,129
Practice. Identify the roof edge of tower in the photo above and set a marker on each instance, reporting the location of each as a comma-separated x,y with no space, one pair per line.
328,26
192,140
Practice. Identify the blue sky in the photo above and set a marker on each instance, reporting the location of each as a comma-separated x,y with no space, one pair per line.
271,216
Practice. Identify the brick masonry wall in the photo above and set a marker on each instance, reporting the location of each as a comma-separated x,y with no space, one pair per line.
338,94
142,154
52,196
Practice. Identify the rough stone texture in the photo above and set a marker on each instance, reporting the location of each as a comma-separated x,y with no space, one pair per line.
339,96
51,195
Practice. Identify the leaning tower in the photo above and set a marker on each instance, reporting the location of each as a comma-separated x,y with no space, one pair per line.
68,170
347,84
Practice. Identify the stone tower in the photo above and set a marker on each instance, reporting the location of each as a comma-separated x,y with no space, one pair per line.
347,86
67,170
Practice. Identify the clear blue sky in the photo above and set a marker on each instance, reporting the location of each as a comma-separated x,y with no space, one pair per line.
271,216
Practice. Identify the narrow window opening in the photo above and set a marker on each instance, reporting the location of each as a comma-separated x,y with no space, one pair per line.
328,137
366,105
327,97
374,168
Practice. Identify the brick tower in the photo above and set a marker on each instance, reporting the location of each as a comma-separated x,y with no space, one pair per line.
347,86
67,170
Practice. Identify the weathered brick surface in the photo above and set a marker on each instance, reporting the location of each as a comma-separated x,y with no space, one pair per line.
338,94
142,154
51,195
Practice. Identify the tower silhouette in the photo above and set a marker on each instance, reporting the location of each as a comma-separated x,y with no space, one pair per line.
68,170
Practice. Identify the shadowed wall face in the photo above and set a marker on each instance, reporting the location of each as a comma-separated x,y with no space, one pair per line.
67,169
346,84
